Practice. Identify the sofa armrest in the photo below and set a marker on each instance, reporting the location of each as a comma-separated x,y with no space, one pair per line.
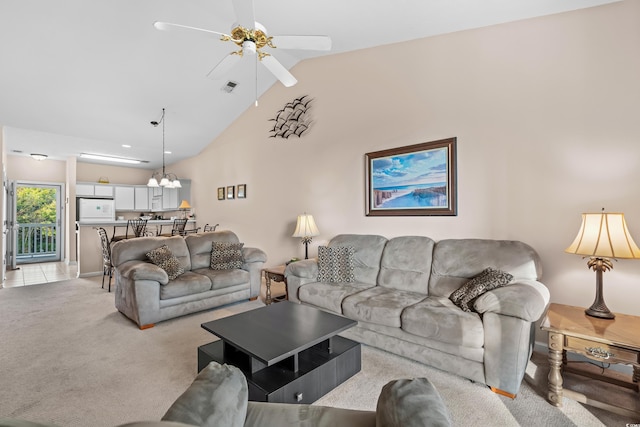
525,299
141,270
253,255
300,273
217,397
305,269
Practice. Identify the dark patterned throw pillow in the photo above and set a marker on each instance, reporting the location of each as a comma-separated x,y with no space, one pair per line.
488,279
163,258
335,264
226,256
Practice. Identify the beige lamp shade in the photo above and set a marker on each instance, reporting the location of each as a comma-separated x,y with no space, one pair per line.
184,205
604,235
306,227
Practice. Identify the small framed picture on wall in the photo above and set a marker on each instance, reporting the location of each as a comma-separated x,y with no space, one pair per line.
242,191
231,192
220,193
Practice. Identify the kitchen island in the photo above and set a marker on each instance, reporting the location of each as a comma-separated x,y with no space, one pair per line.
88,241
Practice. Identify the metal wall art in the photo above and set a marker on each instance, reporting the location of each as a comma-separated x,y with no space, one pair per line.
294,119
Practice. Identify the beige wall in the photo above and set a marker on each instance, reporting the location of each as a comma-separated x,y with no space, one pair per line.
90,172
24,168
545,112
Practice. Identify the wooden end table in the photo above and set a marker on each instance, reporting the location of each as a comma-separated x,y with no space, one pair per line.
277,275
615,341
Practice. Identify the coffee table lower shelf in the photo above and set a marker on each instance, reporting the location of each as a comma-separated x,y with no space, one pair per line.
319,371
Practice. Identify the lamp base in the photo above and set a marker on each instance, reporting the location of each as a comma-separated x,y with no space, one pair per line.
599,308
600,312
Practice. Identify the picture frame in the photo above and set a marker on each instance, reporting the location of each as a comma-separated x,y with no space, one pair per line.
414,180
242,191
231,192
221,193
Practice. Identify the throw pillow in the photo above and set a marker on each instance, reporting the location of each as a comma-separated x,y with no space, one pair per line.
488,279
411,403
163,258
226,256
335,264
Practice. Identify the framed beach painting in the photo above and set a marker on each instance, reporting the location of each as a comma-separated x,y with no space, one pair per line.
414,180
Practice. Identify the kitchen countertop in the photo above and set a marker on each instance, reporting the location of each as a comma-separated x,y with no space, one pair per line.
123,222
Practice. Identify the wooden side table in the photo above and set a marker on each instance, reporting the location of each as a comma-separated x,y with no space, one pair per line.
602,340
277,275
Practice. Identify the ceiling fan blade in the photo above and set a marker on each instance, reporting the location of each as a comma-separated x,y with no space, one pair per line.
244,13
278,70
302,42
166,26
224,66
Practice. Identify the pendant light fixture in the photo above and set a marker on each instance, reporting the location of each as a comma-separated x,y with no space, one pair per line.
168,180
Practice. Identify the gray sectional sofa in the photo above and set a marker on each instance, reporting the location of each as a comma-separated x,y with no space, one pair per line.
400,298
145,294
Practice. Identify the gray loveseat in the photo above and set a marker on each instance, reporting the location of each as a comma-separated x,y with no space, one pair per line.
145,294
400,298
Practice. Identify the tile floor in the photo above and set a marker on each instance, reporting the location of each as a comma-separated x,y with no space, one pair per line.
35,274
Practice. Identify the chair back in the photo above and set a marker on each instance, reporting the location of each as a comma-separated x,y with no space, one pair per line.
106,248
208,227
138,226
178,227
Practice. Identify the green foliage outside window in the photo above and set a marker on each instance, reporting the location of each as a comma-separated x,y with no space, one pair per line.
36,215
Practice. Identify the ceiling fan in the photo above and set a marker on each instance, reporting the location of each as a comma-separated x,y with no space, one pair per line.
252,37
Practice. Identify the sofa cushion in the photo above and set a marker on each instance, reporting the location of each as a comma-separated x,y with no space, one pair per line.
411,403
366,256
226,256
488,279
136,249
217,397
406,264
335,264
163,258
221,279
437,318
379,305
465,258
188,283
329,296
199,245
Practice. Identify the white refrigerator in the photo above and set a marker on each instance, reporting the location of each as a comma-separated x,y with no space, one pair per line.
96,210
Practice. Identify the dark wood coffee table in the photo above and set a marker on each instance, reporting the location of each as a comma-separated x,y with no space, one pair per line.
289,353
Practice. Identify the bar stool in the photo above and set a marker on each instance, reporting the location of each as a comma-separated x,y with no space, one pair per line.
107,266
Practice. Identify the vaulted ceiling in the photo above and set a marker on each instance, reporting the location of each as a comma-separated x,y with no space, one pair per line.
89,76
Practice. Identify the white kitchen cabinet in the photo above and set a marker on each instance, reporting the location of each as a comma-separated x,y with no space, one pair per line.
170,198
124,198
85,190
103,190
142,198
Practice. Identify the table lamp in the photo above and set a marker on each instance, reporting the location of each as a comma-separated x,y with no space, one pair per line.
602,237
183,207
306,228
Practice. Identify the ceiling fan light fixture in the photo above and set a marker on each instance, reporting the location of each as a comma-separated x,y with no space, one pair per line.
249,47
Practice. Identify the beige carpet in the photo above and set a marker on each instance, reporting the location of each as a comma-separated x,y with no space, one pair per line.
68,357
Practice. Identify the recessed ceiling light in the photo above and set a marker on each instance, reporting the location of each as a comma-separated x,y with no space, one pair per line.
38,156
126,145
109,158
167,152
